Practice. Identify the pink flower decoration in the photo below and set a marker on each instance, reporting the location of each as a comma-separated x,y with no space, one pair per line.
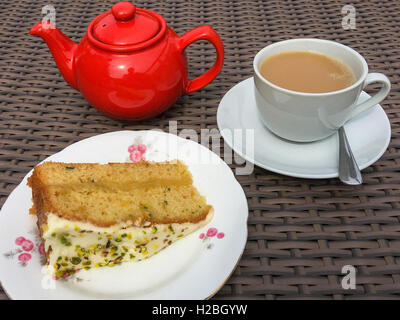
41,248
136,152
24,257
135,156
142,148
19,240
132,148
212,232
220,235
201,236
27,245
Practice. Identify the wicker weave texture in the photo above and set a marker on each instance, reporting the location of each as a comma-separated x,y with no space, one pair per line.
301,232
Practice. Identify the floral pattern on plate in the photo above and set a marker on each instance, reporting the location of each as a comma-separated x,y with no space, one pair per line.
211,233
26,248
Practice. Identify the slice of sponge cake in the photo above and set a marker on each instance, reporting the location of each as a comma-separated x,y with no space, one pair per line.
93,215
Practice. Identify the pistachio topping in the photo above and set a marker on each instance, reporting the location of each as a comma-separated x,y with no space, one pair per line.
64,240
81,246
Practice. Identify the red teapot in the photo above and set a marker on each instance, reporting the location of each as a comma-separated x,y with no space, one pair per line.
129,65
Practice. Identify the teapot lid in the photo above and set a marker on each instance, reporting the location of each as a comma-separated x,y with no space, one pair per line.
126,26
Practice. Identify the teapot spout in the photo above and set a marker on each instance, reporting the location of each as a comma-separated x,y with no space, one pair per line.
62,48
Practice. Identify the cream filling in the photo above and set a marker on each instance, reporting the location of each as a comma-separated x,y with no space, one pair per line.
76,245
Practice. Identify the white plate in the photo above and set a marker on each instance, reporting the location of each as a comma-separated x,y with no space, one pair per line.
191,268
368,135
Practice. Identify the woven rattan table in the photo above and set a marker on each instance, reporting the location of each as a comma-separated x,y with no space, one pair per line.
301,232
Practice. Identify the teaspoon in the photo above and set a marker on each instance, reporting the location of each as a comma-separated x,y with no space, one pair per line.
349,173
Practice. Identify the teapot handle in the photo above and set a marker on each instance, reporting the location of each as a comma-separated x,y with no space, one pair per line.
203,33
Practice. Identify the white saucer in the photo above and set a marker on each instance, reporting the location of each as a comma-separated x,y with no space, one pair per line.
368,135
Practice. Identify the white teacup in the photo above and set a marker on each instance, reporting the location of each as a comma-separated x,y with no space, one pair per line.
305,117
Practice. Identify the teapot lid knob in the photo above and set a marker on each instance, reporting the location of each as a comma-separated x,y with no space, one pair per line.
123,11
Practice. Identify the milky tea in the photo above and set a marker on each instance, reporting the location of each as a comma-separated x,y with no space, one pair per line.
307,71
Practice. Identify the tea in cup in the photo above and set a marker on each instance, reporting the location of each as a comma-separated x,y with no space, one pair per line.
306,89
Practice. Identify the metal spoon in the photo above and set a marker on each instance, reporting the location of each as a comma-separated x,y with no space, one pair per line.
349,173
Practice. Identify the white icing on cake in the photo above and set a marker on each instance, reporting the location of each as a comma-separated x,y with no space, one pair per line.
77,245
